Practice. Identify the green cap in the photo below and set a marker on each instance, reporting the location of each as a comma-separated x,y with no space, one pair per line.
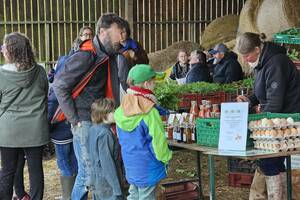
142,72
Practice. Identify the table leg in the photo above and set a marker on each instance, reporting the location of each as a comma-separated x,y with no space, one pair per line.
200,192
289,178
211,167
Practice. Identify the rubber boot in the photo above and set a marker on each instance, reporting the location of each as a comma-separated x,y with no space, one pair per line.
274,187
284,185
67,183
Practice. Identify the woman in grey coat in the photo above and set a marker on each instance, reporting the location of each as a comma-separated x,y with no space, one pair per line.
23,114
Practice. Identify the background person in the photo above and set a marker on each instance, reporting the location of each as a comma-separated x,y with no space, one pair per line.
181,67
198,68
23,115
227,69
277,90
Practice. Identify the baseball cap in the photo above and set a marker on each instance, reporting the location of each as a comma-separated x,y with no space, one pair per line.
142,72
219,48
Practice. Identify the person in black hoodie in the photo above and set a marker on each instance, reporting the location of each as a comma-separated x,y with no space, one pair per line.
198,68
181,67
227,69
276,89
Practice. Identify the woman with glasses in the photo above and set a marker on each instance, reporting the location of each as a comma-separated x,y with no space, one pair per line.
23,114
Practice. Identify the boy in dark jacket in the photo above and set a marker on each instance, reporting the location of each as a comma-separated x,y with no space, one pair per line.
198,68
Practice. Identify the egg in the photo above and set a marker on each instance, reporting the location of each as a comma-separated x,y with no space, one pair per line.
280,133
290,120
293,131
264,122
287,132
273,133
298,130
276,121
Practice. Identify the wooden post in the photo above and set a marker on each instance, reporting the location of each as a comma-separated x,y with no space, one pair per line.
129,13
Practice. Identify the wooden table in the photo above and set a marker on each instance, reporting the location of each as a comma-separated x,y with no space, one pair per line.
250,154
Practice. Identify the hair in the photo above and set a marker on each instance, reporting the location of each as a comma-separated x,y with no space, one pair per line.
100,108
181,50
19,51
106,20
127,28
200,55
247,42
77,40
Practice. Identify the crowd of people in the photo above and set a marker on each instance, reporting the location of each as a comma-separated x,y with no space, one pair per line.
218,65
104,119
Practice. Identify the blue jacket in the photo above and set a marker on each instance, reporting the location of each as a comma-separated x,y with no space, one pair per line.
143,143
104,151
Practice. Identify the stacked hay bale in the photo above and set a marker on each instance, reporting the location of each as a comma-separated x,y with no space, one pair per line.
221,30
164,59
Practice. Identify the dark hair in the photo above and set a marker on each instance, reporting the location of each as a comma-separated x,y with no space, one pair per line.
106,20
19,51
100,108
127,27
83,29
247,42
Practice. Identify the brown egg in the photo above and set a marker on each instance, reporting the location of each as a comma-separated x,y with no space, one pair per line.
287,132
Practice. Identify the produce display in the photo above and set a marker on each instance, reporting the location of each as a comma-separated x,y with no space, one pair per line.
278,134
168,93
294,55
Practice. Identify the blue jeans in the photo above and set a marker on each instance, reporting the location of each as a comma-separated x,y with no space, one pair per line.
82,183
66,160
142,193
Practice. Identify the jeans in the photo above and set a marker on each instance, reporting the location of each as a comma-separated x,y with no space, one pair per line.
19,176
141,193
83,181
66,160
9,162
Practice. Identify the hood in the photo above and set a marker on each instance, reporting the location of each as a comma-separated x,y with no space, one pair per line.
228,56
269,50
22,79
132,111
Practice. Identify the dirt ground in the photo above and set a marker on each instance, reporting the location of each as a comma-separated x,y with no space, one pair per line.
182,166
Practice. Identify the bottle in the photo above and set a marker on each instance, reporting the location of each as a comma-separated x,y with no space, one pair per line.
194,108
216,110
170,132
188,135
208,111
175,129
194,134
202,111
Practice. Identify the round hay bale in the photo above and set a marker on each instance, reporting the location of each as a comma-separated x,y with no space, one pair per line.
272,11
164,59
220,30
248,15
269,16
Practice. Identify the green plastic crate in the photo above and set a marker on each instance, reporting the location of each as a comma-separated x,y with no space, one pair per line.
290,36
208,128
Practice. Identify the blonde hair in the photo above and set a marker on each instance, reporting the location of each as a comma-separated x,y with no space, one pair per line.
100,108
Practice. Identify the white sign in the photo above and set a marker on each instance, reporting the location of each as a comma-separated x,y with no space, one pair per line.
233,126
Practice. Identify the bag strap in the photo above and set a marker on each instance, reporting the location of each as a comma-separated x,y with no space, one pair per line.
10,103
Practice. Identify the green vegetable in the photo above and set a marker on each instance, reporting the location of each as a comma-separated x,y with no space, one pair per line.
168,93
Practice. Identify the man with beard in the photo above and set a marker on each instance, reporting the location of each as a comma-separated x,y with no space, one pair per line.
97,55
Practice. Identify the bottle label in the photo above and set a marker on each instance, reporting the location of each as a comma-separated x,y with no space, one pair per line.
193,136
184,138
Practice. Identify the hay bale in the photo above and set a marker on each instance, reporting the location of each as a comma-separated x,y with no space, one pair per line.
220,30
247,22
163,59
260,15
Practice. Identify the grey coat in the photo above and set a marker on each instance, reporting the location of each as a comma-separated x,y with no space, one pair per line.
24,123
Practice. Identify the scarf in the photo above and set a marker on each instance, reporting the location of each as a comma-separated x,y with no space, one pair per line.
148,94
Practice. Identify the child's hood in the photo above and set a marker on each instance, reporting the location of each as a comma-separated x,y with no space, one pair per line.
131,111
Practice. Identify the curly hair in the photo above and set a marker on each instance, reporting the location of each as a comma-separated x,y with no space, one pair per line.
19,51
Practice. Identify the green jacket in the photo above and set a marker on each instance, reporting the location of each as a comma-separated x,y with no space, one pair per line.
24,123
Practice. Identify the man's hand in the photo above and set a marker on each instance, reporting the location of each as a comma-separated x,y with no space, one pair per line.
242,98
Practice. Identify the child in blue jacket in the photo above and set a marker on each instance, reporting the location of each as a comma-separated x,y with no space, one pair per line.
104,150
141,135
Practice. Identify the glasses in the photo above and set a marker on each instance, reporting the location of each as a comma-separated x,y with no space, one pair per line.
87,35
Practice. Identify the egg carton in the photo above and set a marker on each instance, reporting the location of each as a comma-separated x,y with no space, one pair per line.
276,127
275,145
